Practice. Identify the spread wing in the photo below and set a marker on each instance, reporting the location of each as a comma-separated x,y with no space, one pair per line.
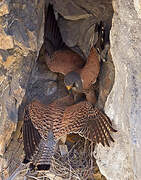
37,149
31,136
39,119
88,121
44,118
60,118
42,126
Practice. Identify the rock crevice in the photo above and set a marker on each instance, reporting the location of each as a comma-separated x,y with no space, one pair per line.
24,76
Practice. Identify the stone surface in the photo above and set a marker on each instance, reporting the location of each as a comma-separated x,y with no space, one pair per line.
21,36
6,42
3,8
137,5
79,33
80,9
77,26
122,160
70,10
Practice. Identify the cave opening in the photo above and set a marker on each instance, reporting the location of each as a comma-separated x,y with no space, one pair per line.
76,21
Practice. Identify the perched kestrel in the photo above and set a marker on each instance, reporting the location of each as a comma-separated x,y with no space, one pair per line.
44,125
79,76
82,79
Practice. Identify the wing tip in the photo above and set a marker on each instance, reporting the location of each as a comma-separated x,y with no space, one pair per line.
103,128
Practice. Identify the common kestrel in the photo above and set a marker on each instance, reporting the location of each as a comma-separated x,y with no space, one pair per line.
80,75
44,125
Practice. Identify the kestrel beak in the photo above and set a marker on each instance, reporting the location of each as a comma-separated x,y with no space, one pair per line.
68,87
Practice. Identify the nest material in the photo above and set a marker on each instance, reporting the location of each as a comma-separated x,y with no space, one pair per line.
77,164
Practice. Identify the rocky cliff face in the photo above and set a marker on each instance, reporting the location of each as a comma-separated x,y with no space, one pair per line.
24,75
21,36
122,160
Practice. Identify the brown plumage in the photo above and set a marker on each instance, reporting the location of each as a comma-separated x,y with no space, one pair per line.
45,125
90,71
62,59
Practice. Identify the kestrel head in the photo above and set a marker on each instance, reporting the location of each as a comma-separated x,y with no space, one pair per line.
73,80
